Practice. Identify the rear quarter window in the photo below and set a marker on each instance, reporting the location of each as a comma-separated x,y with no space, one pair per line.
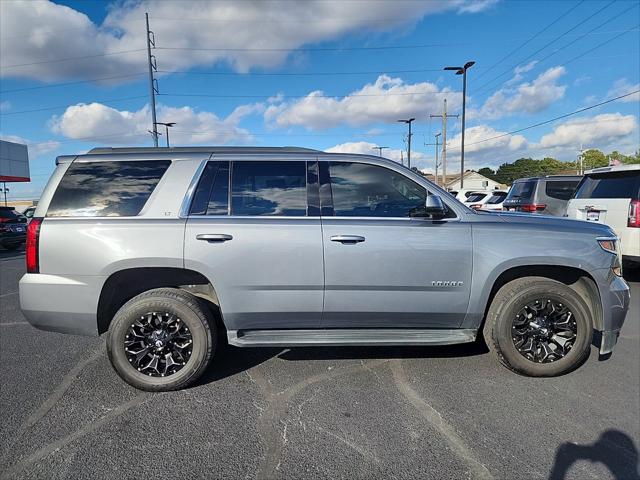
560,189
610,185
106,189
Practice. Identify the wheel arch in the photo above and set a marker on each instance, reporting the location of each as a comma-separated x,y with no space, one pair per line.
577,279
123,285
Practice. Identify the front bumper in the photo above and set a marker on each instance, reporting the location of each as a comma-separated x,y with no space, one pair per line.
608,340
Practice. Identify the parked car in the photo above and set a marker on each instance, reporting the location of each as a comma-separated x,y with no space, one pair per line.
28,213
463,194
544,195
13,232
491,200
611,196
167,249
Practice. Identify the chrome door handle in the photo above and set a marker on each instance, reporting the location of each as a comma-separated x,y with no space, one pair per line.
214,237
347,238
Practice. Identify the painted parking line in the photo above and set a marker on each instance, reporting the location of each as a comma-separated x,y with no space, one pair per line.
8,294
9,324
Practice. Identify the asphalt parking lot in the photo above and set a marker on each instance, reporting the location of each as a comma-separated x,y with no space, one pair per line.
446,412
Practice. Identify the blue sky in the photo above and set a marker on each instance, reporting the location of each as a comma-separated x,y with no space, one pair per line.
328,74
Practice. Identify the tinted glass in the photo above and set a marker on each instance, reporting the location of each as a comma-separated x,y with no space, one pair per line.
476,197
9,213
561,189
497,198
521,190
269,188
361,190
610,185
212,194
106,189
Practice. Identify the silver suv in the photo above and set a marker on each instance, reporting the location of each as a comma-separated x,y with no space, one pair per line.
171,250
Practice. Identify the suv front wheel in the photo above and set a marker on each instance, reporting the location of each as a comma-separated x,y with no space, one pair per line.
161,340
539,327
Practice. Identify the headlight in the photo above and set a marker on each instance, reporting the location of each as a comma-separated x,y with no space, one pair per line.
611,244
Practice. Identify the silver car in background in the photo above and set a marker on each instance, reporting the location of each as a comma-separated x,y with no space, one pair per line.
170,250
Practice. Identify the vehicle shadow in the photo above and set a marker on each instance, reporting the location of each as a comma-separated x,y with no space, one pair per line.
631,274
231,360
614,449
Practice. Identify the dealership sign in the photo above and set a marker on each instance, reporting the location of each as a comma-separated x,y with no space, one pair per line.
14,162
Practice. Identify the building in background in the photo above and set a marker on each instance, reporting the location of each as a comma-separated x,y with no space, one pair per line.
14,166
472,181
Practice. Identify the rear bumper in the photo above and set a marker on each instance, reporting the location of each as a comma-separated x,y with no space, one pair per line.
61,303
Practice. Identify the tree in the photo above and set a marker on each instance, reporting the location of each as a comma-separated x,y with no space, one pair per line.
487,172
594,158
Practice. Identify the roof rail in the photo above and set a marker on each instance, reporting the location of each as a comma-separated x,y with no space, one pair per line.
212,149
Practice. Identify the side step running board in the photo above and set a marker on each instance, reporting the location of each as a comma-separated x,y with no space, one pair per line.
381,336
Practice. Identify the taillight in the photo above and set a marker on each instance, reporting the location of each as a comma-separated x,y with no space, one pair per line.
33,240
476,206
532,207
634,214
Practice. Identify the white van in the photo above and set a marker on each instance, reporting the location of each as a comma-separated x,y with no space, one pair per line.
611,195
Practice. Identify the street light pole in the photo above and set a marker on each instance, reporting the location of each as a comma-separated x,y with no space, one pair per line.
379,149
462,71
166,129
408,121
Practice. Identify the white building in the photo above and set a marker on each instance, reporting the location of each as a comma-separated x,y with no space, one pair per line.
472,181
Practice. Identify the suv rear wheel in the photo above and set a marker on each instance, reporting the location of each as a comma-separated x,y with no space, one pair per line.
539,327
161,340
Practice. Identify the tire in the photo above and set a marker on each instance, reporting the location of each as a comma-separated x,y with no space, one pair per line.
166,308
503,319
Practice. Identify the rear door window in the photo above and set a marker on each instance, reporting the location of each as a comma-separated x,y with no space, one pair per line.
269,188
106,189
560,189
610,185
212,194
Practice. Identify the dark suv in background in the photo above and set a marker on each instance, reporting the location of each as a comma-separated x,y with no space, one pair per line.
546,195
13,228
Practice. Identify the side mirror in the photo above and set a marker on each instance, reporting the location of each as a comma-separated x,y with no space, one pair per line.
434,207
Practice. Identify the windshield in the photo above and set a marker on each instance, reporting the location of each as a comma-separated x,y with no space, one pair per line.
610,185
521,190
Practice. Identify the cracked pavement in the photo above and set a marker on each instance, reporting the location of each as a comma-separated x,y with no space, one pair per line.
415,412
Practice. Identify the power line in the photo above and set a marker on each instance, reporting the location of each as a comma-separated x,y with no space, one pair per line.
310,49
560,117
77,82
481,87
121,52
531,38
112,100
207,95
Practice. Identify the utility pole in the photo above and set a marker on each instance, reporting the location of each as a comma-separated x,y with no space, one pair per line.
379,149
153,84
402,157
408,121
437,135
444,117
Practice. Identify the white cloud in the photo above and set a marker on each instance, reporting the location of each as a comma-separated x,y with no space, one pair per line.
36,149
55,31
121,127
368,148
524,98
384,101
5,106
598,131
622,87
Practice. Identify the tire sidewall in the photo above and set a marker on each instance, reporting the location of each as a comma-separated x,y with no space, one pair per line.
201,347
558,292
